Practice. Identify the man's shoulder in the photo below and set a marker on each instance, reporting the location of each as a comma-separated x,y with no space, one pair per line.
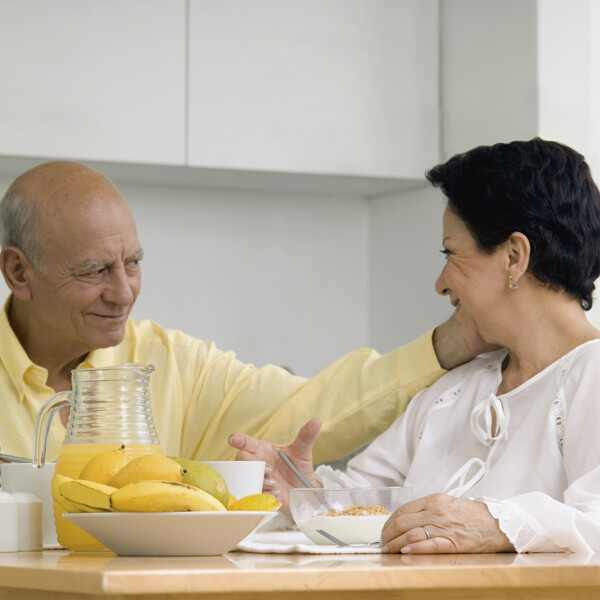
146,340
148,331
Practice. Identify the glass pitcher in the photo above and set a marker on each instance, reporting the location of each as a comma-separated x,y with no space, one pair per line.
109,407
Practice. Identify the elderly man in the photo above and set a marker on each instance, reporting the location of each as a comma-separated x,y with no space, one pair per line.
71,258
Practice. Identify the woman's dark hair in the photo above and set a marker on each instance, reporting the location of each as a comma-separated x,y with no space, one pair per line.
539,188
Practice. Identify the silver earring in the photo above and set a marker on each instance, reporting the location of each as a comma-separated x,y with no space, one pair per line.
511,283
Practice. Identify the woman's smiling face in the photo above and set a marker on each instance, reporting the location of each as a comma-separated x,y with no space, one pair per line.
475,281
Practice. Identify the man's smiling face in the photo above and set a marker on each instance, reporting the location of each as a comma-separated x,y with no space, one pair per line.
84,287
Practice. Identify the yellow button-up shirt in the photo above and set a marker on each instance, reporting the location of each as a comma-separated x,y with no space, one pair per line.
200,395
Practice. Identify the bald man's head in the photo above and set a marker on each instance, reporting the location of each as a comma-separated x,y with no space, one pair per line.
73,259
41,200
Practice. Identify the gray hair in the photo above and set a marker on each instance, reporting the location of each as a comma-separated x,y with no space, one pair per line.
18,225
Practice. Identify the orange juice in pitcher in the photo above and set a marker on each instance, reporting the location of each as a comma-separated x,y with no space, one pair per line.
109,407
71,459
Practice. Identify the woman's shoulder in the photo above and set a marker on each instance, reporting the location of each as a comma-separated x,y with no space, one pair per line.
482,362
582,356
577,370
484,365
589,347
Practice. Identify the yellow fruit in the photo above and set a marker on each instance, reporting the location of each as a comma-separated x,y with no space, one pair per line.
104,466
85,508
206,478
232,499
88,495
69,506
154,467
162,496
256,502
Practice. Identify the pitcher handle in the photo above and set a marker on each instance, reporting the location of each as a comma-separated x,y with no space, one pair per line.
42,426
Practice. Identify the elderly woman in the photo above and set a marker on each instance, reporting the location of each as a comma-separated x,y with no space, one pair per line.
503,453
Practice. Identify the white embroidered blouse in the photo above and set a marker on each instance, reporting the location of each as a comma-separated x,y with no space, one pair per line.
538,471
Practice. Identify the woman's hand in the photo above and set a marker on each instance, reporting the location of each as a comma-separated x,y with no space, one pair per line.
441,524
278,476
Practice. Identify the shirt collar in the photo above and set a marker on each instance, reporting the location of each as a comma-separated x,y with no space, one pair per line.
19,367
12,354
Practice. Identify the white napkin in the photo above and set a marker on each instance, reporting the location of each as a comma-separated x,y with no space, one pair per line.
295,542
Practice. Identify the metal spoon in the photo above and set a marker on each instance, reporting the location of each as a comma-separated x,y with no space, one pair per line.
9,458
331,538
337,542
288,461
297,472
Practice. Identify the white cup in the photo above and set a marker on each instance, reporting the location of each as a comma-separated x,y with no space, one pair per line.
241,476
30,521
24,477
9,523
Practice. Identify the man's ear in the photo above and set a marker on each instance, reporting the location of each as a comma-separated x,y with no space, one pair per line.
519,253
14,264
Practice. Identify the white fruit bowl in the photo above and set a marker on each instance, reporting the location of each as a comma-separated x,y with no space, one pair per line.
195,533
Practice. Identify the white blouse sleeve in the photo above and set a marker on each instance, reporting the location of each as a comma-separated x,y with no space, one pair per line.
386,461
535,522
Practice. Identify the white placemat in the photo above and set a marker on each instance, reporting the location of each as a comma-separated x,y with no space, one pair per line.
295,542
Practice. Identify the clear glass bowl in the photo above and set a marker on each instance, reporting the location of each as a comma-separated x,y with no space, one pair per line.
355,516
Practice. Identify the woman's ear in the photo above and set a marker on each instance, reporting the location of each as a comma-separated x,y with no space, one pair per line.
519,252
14,264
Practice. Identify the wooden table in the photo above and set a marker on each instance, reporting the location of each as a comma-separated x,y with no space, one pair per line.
67,575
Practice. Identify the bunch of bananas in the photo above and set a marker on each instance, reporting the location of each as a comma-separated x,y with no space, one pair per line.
110,481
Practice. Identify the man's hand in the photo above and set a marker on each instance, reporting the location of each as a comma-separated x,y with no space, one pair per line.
278,476
451,347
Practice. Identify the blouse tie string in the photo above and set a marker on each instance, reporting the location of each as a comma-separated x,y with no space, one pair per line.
482,418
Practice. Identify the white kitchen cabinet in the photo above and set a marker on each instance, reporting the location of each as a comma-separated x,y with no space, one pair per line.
93,80
520,68
339,87
324,96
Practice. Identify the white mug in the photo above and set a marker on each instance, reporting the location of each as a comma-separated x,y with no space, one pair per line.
241,476
24,477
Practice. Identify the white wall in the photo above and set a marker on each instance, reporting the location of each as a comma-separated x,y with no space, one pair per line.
513,69
301,279
594,78
521,68
405,239
280,279
488,72
565,31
